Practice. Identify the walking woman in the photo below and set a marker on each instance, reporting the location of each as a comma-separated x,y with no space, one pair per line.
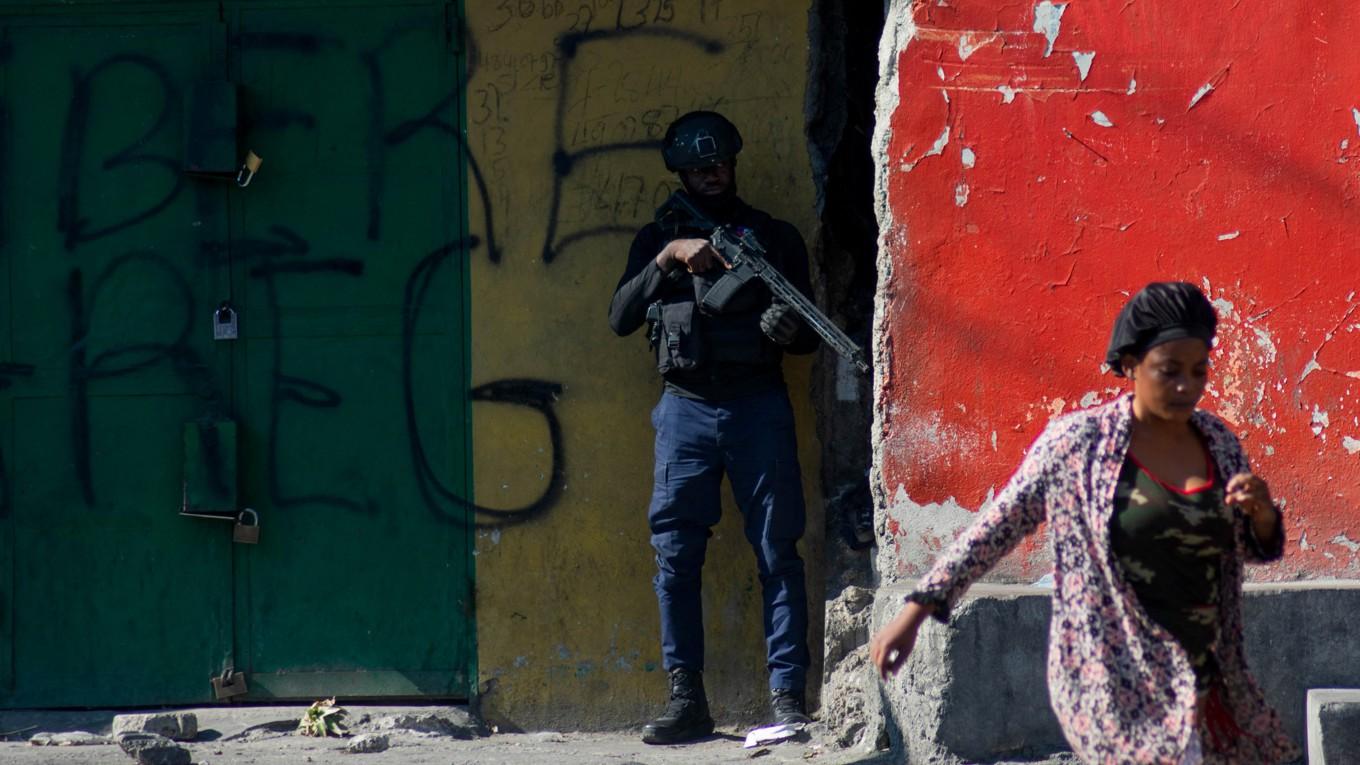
1152,511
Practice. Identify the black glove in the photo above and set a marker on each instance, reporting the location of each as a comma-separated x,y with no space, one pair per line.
780,323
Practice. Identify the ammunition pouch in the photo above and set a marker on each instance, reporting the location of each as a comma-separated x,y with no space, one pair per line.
678,337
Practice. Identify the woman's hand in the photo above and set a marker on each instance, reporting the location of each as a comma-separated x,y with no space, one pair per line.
1249,493
889,649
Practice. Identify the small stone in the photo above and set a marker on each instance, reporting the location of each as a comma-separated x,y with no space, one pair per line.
72,738
180,726
152,749
368,743
549,737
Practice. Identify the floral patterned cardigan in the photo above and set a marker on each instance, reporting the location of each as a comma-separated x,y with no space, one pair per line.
1121,686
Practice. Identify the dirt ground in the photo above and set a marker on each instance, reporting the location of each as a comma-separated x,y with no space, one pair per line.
417,735
415,749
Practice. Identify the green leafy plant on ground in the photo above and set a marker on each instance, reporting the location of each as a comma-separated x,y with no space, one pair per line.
322,719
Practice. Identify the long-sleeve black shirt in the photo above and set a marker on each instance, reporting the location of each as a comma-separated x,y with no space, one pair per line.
644,283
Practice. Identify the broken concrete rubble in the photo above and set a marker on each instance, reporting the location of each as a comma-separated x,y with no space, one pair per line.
368,743
152,749
70,738
178,726
445,721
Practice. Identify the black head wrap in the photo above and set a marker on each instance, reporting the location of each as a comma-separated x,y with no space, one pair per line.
1159,313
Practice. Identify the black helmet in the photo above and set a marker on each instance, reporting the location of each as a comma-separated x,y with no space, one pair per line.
699,139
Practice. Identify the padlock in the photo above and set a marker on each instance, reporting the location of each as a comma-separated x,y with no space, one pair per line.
246,533
229,684
224,323
249,168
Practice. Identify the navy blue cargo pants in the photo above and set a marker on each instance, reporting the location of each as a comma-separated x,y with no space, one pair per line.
751,439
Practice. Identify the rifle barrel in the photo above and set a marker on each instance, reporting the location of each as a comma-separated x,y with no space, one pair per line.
783,290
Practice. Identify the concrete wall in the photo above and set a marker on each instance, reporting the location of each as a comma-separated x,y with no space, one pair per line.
976,693
566,102
1038,163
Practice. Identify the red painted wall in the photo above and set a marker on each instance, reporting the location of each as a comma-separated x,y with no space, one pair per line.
1032,190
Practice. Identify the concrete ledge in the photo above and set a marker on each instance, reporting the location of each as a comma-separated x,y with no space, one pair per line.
1333,726
976,691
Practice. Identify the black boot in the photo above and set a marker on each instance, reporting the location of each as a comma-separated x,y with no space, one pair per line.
788,707
686,717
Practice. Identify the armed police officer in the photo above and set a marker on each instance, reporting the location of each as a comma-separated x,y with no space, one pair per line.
724,410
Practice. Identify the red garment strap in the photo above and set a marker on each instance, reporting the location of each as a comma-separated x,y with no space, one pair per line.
1208,468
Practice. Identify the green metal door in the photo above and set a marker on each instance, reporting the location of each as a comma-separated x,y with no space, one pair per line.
351,374
347,385
113,599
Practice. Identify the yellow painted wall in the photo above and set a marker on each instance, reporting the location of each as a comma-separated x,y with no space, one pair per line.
566,618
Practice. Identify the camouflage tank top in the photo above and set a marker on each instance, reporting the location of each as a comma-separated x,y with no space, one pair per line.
1170,545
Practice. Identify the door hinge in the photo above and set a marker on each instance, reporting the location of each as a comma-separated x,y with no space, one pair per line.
229,684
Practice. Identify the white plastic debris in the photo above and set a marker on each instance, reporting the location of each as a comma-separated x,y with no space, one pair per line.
772,734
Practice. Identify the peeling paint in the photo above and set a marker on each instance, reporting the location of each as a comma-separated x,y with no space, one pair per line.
1083,59
939,72
1203,91
936,149
1309,368
929,438
966,46
1181,193
1321,420
961,194
928,529
1346,542
1266,344
1048,22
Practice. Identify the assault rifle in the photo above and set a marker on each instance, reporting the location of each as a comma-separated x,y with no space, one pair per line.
744,257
